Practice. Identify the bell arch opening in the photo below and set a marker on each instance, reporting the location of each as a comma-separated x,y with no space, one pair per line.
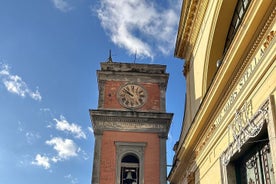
129,169
130,162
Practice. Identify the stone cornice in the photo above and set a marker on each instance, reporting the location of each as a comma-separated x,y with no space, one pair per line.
152,122
130,72
133,67
121,76
189,26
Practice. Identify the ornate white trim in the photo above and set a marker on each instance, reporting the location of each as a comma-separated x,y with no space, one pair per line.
244,128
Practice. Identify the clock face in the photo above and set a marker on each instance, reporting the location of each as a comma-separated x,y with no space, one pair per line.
132,96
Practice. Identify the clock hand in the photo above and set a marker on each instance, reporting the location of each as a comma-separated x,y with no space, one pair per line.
128,92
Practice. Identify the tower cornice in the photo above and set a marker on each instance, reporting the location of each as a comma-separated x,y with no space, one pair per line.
155,122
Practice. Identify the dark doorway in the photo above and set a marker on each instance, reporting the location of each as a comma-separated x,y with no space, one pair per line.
255,165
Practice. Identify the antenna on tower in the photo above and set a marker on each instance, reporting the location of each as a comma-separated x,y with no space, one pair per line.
109,58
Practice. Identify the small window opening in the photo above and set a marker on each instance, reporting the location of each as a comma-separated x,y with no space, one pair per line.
130,170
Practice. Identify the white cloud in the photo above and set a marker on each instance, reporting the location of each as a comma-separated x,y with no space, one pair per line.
85,156
65,148
32,137
20,127
71,179
45,109
14,84
63,125
62,5
23,160
42,161
90,129
4,70
170,137
140,26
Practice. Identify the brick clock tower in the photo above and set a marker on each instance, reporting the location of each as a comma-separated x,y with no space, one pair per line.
131,124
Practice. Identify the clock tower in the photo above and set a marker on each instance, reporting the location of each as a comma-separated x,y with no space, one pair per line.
130,124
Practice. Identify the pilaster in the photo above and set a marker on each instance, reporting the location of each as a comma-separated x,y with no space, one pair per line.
97,159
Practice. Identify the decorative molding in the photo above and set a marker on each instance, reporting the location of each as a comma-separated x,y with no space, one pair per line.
130,121
189,26
202,144
126,125
269,38
191,163
243,129
191,178
255,60
256,44
133,68
123,76
123,148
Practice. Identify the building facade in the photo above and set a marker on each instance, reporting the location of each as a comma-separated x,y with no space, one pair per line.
131,124
229,126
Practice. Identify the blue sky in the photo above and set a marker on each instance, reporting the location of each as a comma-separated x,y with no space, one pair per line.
49,53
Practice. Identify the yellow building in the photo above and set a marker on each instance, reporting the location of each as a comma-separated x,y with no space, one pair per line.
229,125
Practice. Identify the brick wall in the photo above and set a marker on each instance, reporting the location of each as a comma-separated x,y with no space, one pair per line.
108,157
111,102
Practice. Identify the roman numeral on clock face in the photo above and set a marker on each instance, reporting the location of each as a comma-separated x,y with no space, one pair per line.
132,96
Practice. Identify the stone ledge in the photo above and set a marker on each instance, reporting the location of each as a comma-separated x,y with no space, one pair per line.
150,122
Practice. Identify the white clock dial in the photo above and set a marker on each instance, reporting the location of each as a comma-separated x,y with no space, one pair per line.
132,96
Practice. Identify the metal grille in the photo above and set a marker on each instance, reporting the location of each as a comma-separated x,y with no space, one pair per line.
255,167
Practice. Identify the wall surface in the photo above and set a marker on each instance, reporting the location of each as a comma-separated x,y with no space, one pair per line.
227,105
151,157
111,101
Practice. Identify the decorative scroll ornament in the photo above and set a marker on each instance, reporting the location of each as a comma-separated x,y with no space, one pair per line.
244,128
242,125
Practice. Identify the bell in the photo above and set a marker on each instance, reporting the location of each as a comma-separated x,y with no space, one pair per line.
129,176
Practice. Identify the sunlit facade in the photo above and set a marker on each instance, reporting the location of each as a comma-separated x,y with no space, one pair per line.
229,126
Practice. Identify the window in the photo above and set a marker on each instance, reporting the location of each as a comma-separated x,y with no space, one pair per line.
238,15
130,162
130,170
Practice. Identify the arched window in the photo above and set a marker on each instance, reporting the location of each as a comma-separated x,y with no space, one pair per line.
238,15
225,26
130,162
129,169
